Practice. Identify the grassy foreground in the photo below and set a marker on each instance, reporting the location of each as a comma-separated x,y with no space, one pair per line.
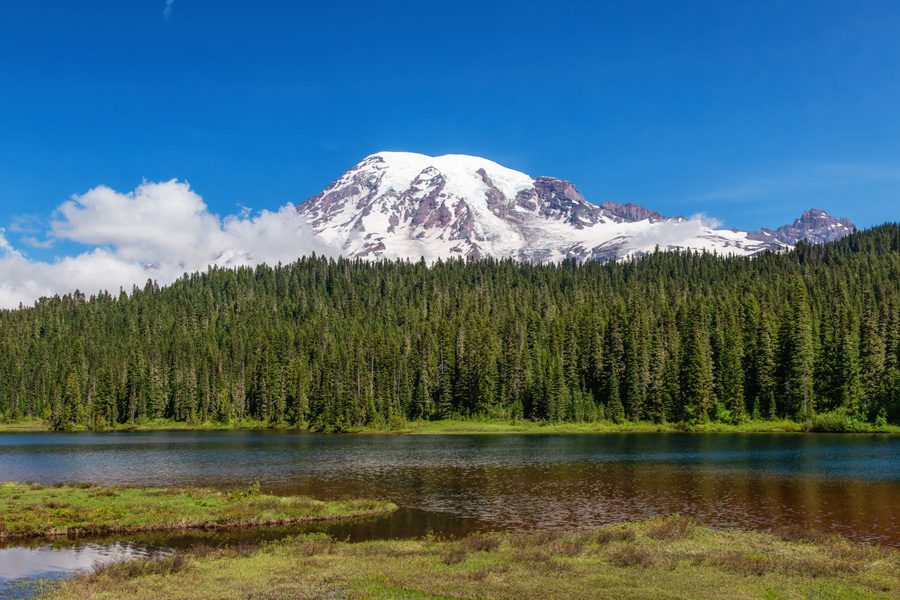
668,558
31,510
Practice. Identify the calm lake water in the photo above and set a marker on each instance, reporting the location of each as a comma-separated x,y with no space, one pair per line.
453,484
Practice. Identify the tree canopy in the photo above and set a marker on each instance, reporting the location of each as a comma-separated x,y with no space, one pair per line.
333,344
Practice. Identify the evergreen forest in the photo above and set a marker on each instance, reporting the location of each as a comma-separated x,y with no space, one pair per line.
332,345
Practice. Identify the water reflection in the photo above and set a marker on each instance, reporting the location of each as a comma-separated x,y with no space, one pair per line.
20,566
452,484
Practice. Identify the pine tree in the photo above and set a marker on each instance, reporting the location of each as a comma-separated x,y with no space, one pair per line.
67,411
105,410
729,371
797,353
871,360
696,373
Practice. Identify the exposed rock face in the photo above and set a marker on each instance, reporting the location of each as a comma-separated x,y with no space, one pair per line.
814,226
403,205
630,212
558,199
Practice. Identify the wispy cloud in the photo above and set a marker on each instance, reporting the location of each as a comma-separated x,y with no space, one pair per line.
27,223
800,180
34,242
5,247
167,10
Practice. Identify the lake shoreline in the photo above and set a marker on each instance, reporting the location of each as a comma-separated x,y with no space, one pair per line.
472,426
668,557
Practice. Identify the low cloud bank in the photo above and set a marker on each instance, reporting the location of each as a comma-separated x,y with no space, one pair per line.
158,231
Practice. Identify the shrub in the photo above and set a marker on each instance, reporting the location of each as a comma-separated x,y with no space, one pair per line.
481,543
131,569
837,421
755,563
544,536
566,547
253,490
456,556
631,556
672,528
615,534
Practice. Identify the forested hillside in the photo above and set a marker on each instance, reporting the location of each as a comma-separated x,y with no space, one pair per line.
336,344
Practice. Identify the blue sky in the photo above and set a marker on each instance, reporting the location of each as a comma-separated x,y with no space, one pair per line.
749,112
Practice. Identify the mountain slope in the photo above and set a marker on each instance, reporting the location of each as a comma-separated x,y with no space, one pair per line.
406,205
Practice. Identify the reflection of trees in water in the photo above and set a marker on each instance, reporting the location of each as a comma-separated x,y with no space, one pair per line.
453,484
579,495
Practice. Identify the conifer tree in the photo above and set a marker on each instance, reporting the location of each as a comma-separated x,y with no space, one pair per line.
797,353
696,372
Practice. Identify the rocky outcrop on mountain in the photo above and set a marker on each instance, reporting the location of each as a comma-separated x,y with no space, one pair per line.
630,212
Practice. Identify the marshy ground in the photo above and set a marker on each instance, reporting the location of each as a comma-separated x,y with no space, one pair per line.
33,510
664,558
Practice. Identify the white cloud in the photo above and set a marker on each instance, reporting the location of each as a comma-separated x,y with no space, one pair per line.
158,231
707,221
167,10
671,234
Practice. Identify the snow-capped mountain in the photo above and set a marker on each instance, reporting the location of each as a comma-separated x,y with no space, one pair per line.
405,205
815,226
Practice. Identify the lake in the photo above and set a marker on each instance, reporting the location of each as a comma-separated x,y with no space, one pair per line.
454,484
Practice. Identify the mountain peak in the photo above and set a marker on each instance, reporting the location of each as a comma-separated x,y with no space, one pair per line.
457,169
814,225
409,205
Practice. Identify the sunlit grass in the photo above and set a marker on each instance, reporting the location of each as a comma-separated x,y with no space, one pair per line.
667,558
31,510
23,425
451,426
479,425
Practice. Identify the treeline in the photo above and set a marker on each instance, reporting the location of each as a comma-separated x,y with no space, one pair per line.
335,344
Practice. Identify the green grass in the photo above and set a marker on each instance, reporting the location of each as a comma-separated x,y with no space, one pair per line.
469,426
822,423
23,426
170,424
663,559
450,426
31,510
31,425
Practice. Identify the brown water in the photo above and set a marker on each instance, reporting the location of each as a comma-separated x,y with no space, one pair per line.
451,485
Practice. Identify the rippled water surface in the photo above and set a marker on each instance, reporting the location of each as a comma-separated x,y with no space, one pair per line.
452,484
